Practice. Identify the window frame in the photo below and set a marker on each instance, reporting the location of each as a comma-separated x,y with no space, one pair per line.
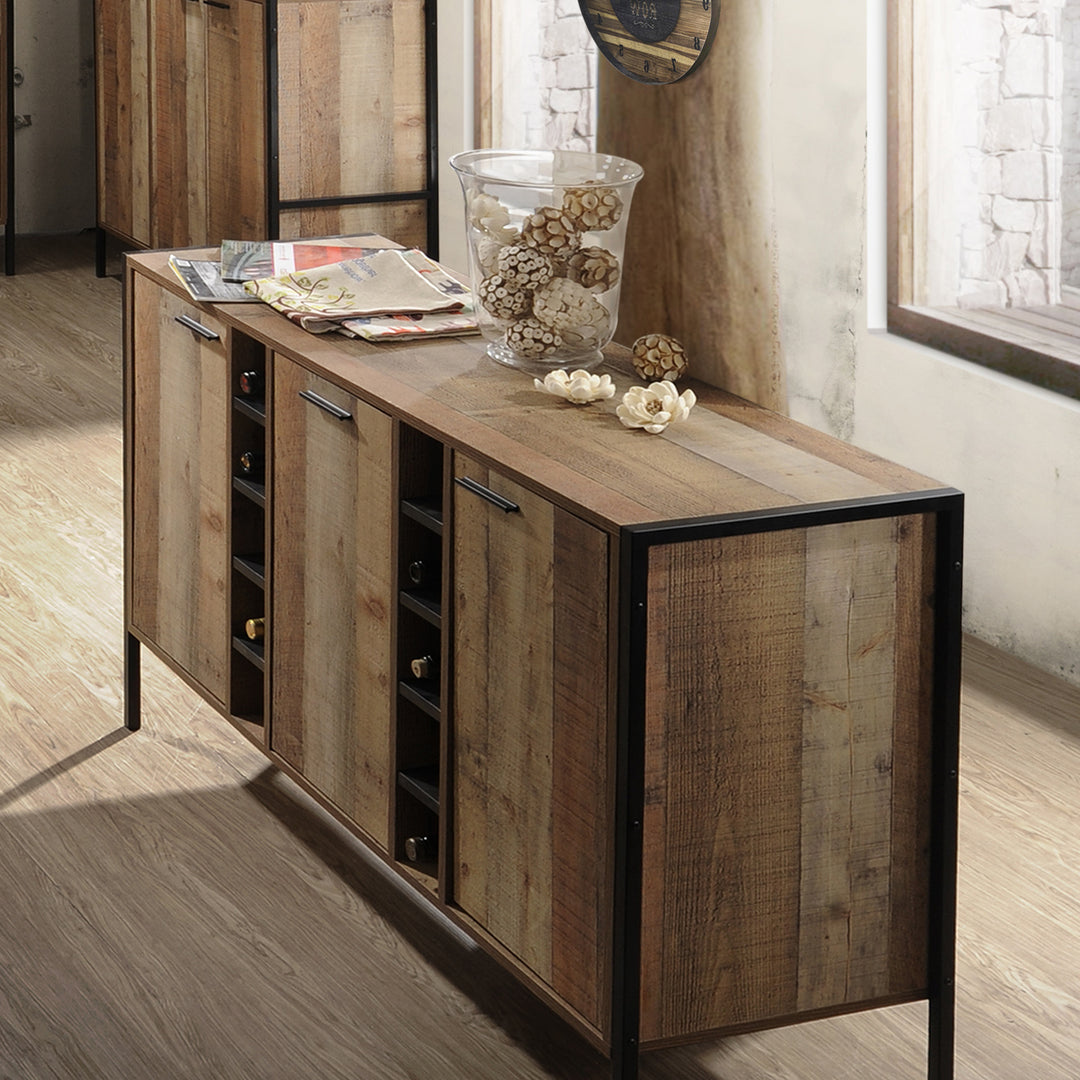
1002,339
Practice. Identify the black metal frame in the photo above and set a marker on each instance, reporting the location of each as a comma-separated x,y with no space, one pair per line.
7,92
428,194
947,505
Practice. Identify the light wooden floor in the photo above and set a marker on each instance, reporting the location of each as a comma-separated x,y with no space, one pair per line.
171,908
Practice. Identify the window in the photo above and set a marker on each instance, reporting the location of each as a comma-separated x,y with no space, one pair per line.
984,183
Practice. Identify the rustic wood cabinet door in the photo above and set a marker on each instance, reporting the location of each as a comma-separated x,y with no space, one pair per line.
235,123
179,131
122,58
209,123
179,508
331,598
532,787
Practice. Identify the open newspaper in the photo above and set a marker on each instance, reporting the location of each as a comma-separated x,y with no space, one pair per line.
387,294
375,293
249,260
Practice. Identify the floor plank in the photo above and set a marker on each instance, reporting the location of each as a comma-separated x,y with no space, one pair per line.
172,907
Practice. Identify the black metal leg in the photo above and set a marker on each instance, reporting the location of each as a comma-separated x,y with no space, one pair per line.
132,684
941,1053
100,252
9,249
945,791
624,1061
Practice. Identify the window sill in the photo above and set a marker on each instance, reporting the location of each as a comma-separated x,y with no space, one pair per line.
1039,345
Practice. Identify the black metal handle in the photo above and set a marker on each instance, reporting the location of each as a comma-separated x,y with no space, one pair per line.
486,493
217,4
327,406
197,327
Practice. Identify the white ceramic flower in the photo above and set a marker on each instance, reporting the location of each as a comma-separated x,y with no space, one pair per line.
579,387
655,406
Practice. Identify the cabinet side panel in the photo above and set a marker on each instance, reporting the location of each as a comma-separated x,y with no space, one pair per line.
911,750
351,97
723,736
332,595
145,438
788,767
180,542
848,711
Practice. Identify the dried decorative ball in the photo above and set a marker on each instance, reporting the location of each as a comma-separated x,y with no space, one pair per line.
502,299
487,253
594,268
592,208
589,335
659,356
524,266
551,231
529,337
564,305
489,215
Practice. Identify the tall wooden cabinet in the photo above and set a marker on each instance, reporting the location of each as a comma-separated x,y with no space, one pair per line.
241,119
668,724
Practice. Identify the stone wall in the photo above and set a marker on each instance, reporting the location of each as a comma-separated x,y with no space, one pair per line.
1009,91
1070,144
549,64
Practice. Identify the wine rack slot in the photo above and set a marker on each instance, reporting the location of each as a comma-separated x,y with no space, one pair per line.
248,593
419,828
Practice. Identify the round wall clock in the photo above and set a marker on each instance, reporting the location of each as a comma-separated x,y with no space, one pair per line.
653,41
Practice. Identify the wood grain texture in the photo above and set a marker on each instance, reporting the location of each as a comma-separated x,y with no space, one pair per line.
179,131
236,127
123,78
807,702
332,596
730,456
699,142
533,802
405,221
180,554
351,101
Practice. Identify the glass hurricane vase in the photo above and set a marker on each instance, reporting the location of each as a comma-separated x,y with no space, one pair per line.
546,234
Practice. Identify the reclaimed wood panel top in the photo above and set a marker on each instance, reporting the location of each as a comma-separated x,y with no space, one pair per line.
729,457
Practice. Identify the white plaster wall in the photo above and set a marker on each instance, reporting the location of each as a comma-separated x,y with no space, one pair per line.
54,157
1013,450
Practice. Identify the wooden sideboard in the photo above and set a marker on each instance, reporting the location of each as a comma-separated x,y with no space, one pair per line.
667,723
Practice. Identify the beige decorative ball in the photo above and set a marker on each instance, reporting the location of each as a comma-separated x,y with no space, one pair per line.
563,305
524,266
530,337
487,254
594,268
658,357
592,208
551,231
503,299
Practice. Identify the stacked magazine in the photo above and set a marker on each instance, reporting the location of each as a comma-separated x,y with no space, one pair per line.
374,293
